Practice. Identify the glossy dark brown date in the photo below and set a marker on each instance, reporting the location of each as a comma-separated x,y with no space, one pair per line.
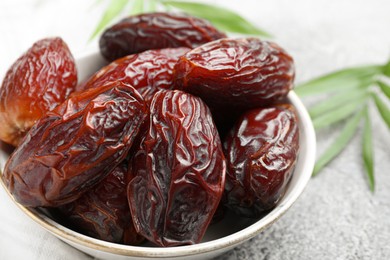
238,73
75,146
155,31
103,211
37,82
261,152
147,71
179,169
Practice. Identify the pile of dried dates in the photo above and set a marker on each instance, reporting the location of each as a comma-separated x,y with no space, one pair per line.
182,121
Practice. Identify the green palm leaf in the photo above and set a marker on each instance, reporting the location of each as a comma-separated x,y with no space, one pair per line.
385,88
383,109
222,18
368,151
114,9
337,101
339,143
342,80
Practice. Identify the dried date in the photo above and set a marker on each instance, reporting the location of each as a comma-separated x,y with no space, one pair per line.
155,31
37,82
103,211
75,146
261,152
239,73
147,72
179,171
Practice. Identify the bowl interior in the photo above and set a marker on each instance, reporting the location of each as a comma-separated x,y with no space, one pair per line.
229,232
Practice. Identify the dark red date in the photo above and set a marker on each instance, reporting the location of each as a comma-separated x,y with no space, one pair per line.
75,146
147,72
37,82
261,152
240,73
103,211
155,31
179,169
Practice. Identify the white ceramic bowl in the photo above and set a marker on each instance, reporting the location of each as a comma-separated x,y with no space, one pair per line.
220,237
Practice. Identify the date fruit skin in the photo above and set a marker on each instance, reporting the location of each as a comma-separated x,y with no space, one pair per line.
155,31
240,73
103,211
75,146
261,152
179,171
37,82
147,71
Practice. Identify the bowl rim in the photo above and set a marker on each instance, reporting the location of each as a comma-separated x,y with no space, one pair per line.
228,241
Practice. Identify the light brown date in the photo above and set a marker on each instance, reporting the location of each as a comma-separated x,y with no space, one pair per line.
37,82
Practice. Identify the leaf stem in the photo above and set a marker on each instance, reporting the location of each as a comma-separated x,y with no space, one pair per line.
368,152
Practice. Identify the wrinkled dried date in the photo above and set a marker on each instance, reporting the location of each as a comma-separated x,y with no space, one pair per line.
242,73
103,211
147,72
71,157
155,31
179,169
37,82
261,152
75,146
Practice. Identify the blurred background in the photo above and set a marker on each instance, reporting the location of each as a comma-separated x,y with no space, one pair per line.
324,34
337,217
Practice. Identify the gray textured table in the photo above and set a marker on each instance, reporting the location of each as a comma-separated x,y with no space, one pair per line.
337,217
